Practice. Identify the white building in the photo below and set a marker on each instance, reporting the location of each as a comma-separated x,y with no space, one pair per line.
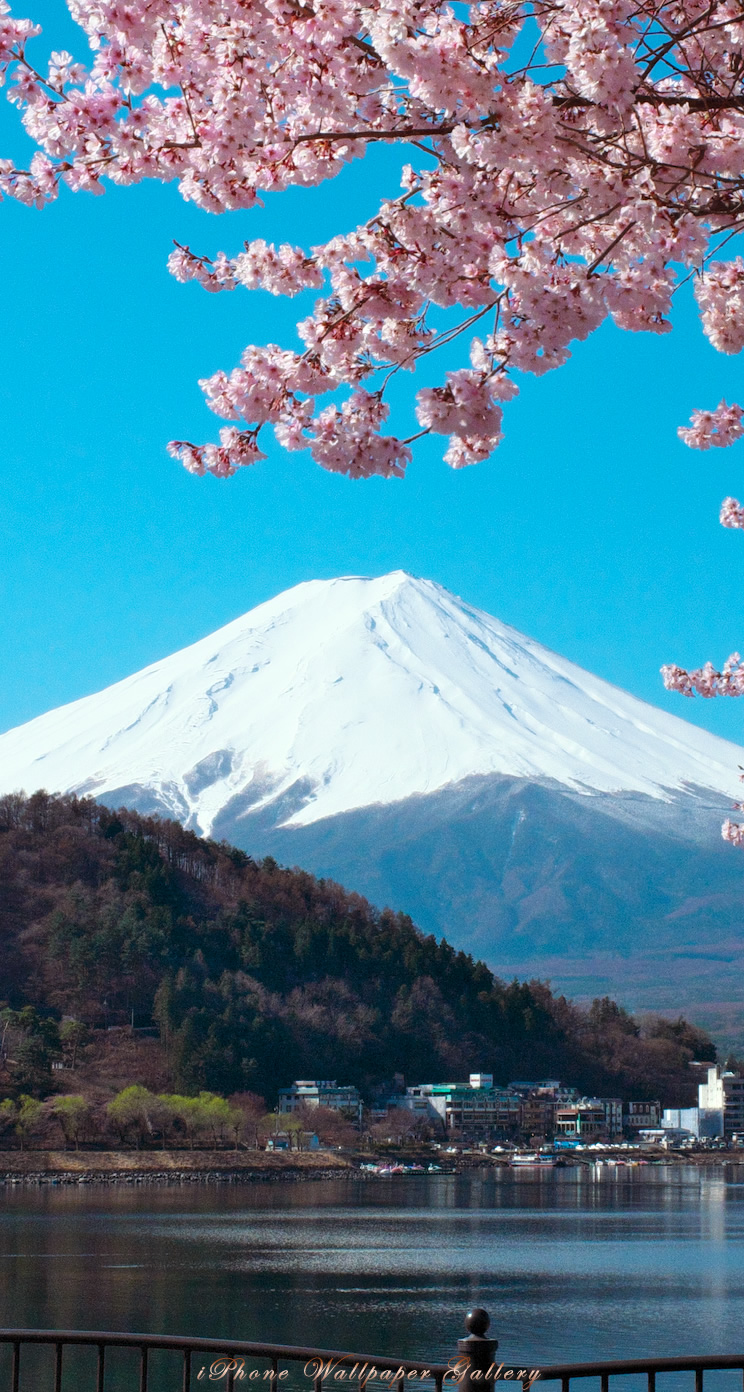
721,1103
720,1109
689,1119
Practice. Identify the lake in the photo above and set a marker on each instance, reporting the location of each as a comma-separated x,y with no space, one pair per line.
572,1265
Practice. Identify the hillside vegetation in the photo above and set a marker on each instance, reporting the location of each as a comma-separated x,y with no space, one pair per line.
251,975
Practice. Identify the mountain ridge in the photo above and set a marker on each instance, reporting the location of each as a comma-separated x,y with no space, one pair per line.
347,693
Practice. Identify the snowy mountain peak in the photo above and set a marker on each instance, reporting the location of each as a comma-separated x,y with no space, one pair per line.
344,693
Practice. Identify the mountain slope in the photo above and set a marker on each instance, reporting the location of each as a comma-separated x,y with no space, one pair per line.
257,975
624,895
342,694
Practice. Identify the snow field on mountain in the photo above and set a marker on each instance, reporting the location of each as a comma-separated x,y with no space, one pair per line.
368,690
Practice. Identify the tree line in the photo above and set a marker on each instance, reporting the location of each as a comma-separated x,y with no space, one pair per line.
137,1117
252,975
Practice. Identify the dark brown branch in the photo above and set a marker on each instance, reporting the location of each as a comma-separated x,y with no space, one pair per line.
605,253
572,102
398,134
711,103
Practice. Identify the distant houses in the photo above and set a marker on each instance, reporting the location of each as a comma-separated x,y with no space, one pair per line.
523,1112
534,1112
478,1111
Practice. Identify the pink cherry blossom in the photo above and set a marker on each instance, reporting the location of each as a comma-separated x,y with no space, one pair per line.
706,681
465,410
732,513
733,832
720,427
720,294
559,165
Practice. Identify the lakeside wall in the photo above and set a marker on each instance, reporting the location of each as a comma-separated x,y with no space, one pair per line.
109,1166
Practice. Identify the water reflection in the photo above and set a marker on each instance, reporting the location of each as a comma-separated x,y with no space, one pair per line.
572,1265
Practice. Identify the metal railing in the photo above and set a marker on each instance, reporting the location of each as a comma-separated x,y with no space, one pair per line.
646,1367
223,1361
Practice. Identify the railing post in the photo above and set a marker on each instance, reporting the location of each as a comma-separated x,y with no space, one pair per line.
479,1351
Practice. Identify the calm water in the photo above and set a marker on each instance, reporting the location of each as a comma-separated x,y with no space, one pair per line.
571,1266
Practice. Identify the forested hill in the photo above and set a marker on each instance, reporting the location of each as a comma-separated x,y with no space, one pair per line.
255,975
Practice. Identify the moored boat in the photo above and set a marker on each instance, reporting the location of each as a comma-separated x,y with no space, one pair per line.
533,1160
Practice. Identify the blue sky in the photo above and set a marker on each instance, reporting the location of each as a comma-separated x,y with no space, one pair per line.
592,528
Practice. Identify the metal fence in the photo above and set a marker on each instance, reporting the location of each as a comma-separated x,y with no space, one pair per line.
646,1368
223,1362
474,1366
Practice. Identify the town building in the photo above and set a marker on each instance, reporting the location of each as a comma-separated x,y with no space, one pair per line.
472,1111
692,1120
668,1137
586,1121
721,1103
537,1116
720,1110
288,1140
321,1094
482,1114
613,1111
544,1101
549,1086
642,1116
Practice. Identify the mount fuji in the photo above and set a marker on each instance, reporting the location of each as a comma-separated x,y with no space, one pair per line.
387,734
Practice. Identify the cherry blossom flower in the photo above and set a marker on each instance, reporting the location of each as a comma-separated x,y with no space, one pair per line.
706,681
720,295
720,427
732,513
733,832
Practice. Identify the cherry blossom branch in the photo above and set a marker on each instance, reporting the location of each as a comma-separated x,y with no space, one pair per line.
552,193
603,255
707,681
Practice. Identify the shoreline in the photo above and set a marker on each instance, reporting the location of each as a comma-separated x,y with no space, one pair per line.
42,1167
165,1166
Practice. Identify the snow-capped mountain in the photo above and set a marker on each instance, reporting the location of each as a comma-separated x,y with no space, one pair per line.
386,734
342,694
